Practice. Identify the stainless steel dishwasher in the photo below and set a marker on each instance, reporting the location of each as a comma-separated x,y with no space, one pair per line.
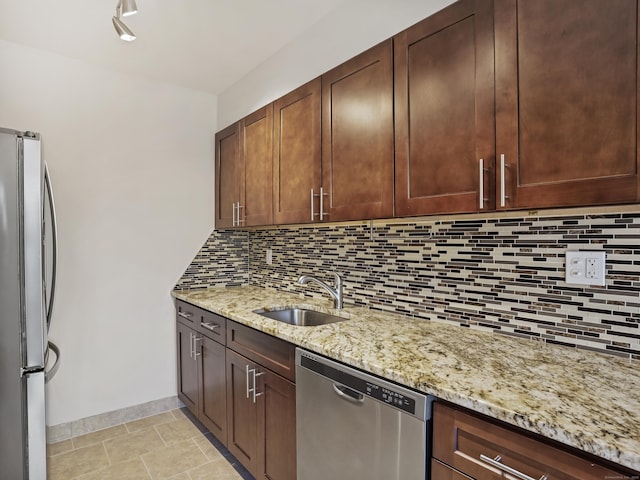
354,426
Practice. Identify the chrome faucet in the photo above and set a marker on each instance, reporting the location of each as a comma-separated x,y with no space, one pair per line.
336,293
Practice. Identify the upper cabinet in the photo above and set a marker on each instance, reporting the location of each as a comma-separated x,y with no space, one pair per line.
256,139
244,165
296,158
357,137
486,105
444,111
566,102
228,174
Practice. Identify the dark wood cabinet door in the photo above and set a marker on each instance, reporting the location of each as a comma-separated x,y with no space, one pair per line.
357,136
227,184
213,398
242,413
566,102
276,427
187,368
469,442
444,111
256,134
296,159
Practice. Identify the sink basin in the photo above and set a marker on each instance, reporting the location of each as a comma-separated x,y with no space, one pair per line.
300,316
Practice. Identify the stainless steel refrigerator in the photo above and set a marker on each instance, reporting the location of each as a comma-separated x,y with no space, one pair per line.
28,257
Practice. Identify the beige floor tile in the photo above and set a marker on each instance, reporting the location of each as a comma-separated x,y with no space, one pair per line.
59,447
181,476
177,431
220,470
133,445
179,457
99,436
152,421
68,465
132,469
207,448
178,413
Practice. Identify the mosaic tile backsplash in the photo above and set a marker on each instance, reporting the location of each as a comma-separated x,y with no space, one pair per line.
499,274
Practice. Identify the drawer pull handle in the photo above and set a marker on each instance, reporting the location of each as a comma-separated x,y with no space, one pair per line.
495,462
186,315
210,325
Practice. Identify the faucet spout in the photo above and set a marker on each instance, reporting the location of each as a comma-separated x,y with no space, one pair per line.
336,293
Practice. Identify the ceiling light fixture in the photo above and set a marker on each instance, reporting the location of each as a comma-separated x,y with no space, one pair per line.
124,8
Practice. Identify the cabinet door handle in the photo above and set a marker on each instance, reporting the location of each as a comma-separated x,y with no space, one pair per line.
240,220
255,387
503,192
196,353
186,315
210,326
322,194
495,462
247,380
233,212
190,344
481,198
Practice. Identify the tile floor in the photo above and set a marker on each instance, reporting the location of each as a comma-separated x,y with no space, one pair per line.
171,445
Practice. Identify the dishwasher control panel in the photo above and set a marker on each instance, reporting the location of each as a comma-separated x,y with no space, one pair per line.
363,384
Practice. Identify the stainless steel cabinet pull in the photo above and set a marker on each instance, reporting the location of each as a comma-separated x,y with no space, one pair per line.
186,315
348,394
233,211
255,387
210,325
247,379
322,194
240,219
482,198
313,213
503,193
196,353
191,344
495,462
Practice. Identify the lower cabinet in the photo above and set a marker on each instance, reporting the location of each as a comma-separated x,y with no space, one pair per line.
239,383
469,445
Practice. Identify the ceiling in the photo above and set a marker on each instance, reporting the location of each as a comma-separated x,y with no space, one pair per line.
204,45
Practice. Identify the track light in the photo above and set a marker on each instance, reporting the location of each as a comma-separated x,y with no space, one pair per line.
124,9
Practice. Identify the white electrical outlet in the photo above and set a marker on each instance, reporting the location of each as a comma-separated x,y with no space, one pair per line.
269,258
585,268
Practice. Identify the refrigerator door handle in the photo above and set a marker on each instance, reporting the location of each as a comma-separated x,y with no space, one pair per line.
54,245
50,373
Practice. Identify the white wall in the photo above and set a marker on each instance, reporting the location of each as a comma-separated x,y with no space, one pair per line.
353,27
132,166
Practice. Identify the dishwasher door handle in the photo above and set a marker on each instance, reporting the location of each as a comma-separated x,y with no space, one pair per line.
348,394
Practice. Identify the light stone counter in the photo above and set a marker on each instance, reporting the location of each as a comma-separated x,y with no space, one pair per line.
586,400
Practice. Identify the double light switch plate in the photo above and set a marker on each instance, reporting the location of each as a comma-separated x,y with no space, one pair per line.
585,268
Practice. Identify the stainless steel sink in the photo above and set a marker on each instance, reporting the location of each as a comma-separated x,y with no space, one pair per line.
300,316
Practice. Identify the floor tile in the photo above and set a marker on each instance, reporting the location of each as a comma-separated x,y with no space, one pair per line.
207,448
99,436
177,431
133,445
59,447
77,462
132,469
168,461
181,476
145,423
219,469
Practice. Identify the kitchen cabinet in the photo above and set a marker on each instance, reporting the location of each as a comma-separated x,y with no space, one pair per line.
467,444
202,366
296,158
357,138
244,157
228,175
566,102
444,111
256,141
261,413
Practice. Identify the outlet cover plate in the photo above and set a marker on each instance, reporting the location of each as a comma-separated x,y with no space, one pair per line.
585,267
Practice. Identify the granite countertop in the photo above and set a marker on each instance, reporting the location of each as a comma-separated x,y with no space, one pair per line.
586,400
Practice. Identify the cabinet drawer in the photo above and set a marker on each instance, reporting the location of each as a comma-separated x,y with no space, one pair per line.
204,322
461,440
186,313
270,352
